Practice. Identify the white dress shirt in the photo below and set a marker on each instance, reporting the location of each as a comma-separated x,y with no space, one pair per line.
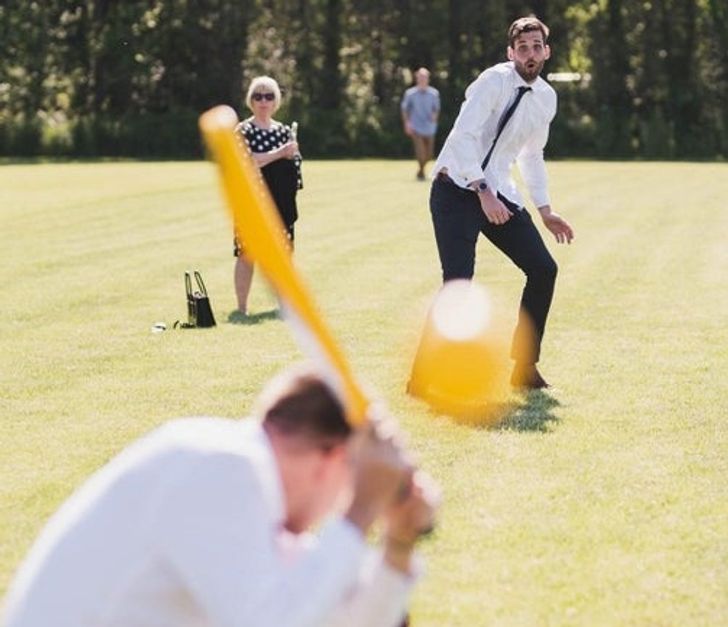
185,527
522,140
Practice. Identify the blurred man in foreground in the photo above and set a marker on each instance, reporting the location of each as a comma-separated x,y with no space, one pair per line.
205,522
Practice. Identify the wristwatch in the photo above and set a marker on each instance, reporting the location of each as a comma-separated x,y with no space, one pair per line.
482,186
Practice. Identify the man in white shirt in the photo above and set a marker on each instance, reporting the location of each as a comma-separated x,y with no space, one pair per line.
505,118
204,522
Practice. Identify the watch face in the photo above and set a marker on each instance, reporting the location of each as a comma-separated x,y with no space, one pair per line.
482,187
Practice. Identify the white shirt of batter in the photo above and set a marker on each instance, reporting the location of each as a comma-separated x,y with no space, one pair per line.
185,527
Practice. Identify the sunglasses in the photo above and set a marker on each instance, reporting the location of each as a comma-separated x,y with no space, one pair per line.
259,97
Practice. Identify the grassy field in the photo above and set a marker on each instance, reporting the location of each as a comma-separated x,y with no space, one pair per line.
601,502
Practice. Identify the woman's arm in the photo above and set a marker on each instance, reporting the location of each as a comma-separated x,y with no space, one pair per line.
286,151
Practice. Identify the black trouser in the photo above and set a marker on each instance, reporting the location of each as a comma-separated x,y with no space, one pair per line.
458,219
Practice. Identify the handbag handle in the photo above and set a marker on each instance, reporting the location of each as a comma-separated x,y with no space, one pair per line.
188,285
200,284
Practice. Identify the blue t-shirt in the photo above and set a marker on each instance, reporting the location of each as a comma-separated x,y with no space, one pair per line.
420,105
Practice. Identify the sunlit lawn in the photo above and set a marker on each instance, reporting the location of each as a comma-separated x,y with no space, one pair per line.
603,501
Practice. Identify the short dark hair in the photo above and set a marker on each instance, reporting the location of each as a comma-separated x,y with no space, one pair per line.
299,402
526,25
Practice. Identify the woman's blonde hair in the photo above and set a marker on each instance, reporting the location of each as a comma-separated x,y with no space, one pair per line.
263,84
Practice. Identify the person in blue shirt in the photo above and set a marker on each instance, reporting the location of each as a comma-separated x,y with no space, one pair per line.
420,110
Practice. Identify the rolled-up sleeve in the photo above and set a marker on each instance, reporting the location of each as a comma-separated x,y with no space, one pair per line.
405,104
379,597
533,168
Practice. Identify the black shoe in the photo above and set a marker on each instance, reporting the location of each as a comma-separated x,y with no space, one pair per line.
420,176
527,377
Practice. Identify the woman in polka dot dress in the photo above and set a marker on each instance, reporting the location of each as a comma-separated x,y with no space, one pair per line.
275,150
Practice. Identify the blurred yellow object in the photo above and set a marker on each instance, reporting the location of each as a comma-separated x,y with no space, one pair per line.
461,366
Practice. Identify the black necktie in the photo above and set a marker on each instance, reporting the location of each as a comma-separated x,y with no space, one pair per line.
503,121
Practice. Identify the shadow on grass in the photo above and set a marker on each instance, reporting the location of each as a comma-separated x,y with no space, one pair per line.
235,317
533,413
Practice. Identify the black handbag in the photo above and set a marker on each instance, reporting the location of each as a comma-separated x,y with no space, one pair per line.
199,311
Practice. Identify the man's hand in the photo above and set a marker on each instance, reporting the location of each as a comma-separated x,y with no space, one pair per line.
408,519
408,128
413,515
382,472
557,225
493,208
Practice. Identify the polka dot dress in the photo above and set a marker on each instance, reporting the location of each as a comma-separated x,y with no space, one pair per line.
282,176
266,139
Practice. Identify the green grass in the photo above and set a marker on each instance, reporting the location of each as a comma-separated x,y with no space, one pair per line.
602,502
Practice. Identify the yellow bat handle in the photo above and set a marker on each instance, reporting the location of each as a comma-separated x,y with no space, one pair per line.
260,230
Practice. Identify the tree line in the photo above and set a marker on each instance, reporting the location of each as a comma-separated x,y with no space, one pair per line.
645,79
